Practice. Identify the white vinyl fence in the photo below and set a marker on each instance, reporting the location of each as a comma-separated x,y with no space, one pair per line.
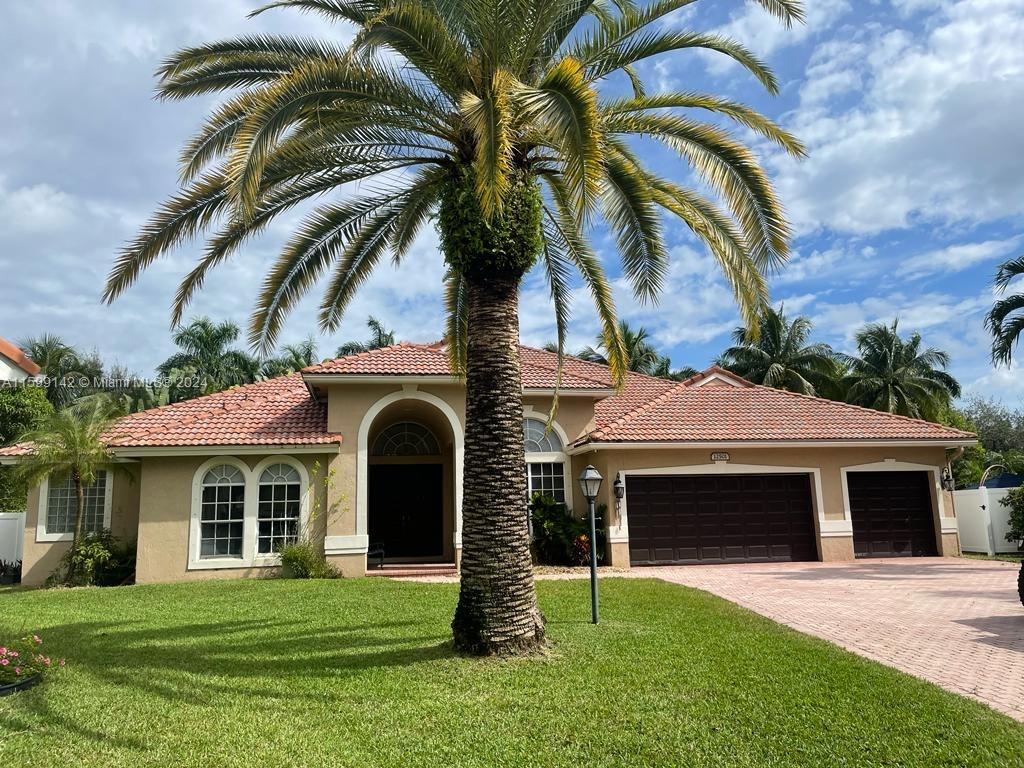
12,536
983,521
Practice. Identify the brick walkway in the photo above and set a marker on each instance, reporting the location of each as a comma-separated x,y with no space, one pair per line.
955,622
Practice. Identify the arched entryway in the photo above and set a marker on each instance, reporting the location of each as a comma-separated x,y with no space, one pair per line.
410,484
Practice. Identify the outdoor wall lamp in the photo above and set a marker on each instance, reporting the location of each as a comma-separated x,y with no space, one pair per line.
948,483
618,487
590,484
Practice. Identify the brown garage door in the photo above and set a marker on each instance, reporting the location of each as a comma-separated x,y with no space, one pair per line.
719,518
892,514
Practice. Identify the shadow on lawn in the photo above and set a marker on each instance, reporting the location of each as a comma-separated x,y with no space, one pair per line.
200,663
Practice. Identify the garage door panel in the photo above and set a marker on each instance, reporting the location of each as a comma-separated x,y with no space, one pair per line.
892,514
720,518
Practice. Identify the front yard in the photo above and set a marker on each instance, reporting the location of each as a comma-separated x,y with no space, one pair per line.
359,673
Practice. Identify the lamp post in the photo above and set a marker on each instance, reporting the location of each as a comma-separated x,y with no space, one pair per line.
590,484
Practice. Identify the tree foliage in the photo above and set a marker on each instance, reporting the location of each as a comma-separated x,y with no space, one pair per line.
205,361
1006,319
779,355
379,337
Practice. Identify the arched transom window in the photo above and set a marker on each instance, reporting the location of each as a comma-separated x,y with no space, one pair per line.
277,517
545,460
539,439
222,517
407,438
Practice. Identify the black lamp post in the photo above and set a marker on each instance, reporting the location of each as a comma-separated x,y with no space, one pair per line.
590,484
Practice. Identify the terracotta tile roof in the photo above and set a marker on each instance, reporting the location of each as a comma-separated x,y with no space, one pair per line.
277,411
539,367
19,358
689,412
282,412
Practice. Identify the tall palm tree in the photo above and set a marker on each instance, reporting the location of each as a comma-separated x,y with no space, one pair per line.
663,370
205,355
489,117
1006,320
896,375
291,358
641,356
778,355
379,337
67,374
69,442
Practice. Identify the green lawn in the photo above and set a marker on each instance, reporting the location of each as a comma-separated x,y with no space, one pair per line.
359,673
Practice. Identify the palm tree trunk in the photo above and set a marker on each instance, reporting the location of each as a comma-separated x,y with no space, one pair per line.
76,478
497,611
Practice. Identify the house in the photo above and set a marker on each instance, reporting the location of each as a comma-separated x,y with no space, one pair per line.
368,450
15,368
14,364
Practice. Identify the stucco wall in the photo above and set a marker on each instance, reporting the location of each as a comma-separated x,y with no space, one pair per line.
165,508
40,558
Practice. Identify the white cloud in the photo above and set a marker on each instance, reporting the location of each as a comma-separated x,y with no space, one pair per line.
765,34
956,258
931,137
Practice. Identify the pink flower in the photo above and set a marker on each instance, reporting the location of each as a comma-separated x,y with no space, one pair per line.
62,662
37,639
13,654
17,670
4,662
3,651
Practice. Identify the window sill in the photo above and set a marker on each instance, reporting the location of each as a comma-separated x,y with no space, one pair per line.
49,538
236,563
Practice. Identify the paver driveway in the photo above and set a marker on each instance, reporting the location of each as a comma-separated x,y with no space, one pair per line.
955,622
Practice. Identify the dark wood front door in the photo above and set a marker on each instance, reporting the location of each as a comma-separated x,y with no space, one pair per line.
720,518
892,514
406,509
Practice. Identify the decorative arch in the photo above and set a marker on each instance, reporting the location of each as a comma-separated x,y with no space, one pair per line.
360,542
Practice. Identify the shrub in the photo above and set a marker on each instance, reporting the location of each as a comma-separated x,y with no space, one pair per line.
305,560
561,538
1015,501
10,572
96,560
1020,584
23,659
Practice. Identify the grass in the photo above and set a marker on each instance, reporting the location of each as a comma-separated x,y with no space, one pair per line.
359,673
1008,557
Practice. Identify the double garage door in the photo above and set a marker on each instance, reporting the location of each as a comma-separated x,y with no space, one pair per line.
679,519
720,518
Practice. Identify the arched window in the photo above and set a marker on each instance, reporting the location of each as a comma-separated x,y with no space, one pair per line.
222,516
407,438
544,473
277,516
539,439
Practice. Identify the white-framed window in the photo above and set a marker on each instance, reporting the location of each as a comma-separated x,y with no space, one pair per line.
222,513
58,507
277,518
242,516
546,460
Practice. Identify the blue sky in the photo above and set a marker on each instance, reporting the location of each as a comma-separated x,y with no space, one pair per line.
912,193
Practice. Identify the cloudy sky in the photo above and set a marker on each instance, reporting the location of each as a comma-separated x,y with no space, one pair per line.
912,193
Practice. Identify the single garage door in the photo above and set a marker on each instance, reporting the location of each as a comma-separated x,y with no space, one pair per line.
719,518
892,514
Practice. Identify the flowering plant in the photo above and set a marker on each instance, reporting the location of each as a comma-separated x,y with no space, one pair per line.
23,659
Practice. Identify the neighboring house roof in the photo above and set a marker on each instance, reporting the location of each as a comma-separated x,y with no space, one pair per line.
718,406
17,357
714,406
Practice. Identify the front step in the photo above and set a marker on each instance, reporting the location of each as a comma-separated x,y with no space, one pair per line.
405,570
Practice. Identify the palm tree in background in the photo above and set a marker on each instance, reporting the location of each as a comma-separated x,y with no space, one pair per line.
663,370
206,360
641,356
291,358
1006,320
489,118
67,373
779,355
68,443
895,375
379,337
